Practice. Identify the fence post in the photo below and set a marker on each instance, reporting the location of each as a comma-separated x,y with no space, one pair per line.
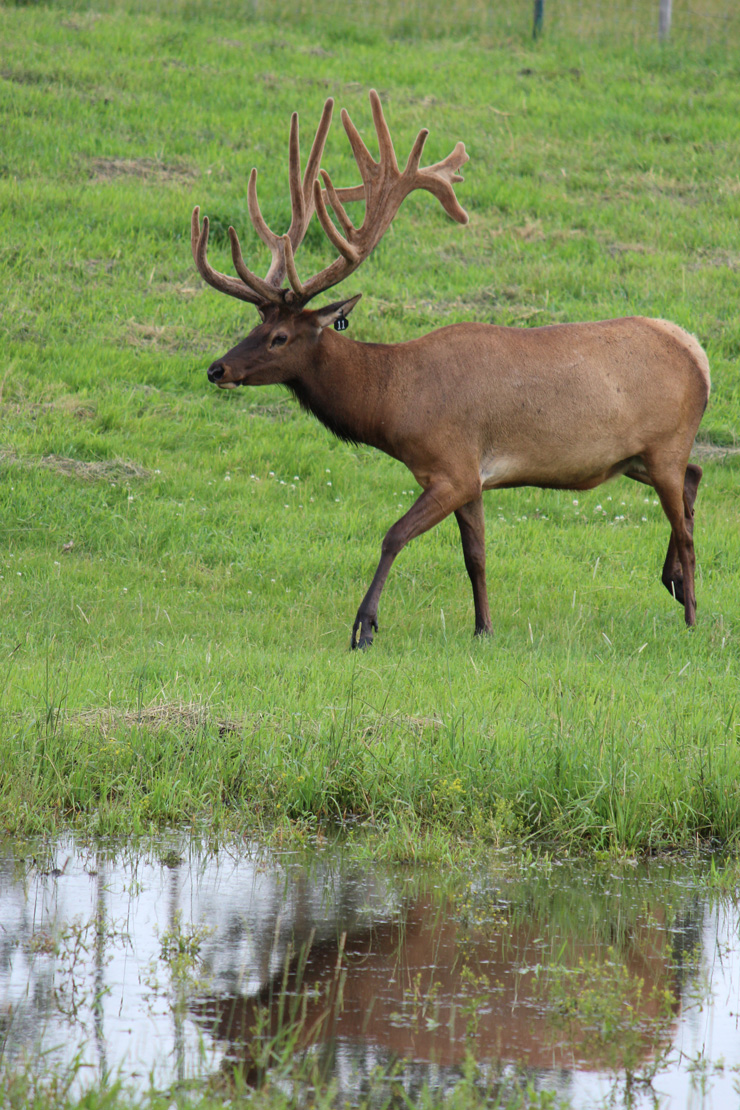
539,11
664,20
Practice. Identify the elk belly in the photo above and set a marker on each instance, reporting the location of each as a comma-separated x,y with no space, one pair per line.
500,470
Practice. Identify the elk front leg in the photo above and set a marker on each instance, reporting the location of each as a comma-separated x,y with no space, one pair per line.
434,504
473,535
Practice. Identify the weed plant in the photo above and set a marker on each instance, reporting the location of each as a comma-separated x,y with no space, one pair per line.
180,567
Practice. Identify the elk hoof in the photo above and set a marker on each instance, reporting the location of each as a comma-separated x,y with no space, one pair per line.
675,588
365,626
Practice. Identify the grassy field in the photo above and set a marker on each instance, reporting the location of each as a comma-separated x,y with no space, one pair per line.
180,567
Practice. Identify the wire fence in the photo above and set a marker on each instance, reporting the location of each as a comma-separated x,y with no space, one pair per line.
699,24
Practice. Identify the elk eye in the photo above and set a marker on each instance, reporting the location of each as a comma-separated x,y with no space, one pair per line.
279,340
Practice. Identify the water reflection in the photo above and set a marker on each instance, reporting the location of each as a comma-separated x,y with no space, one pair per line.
180,963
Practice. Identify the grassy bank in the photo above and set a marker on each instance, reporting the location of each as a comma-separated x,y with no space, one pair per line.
181,567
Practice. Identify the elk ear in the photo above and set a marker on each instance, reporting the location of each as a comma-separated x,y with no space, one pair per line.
322,317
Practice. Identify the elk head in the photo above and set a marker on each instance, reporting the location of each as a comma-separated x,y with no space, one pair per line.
289,336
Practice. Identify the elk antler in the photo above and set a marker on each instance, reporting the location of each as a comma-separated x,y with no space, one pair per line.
384,188
251,288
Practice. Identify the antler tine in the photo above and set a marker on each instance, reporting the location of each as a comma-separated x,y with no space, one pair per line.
297,199
222,282
317,149
385,142
439,179
267,236
293,278
343,246
412,165
365,161
449,166
339,209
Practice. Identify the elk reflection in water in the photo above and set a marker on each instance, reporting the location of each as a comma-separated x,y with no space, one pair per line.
450,980
192,965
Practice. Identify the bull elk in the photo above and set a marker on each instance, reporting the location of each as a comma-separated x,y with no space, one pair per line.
468,407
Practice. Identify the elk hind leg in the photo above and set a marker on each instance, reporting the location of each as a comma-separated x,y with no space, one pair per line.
672,576
678,570
472,526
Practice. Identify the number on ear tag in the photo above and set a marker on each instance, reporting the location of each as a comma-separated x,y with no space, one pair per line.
341,323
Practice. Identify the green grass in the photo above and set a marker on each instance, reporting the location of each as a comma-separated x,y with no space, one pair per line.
221,542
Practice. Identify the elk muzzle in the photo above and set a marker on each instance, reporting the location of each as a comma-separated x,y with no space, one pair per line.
216,371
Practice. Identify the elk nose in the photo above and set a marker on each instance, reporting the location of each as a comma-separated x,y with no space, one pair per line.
215,371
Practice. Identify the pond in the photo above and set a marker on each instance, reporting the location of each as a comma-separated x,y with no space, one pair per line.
177,964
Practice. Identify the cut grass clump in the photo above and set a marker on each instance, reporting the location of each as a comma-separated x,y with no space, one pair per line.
111,469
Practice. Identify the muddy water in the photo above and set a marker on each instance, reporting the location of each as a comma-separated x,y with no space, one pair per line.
600,982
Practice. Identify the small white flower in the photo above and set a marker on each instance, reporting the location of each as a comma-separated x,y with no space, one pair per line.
227,477
575,501
328,483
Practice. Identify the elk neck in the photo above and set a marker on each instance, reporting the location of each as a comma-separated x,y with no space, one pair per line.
348,386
